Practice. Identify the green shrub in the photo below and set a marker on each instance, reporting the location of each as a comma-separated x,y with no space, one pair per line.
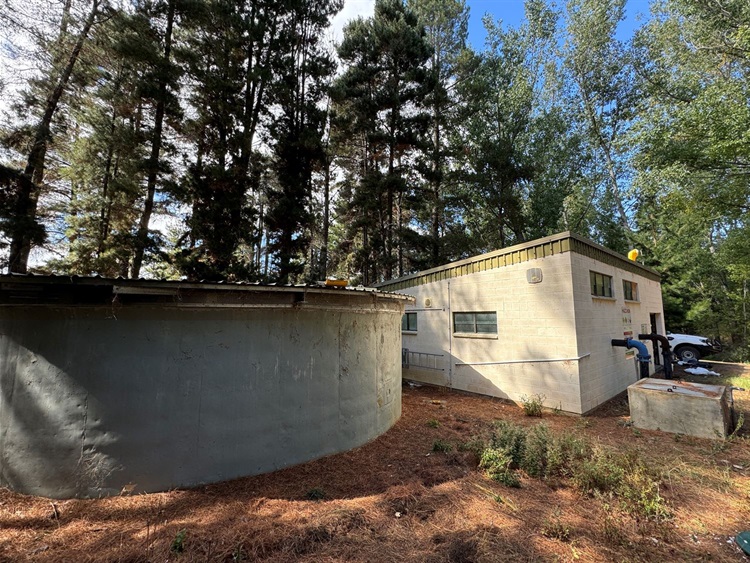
532,405
593,469
555,528
178,543
511,438
441,446
433,423
536,450
564,452
475,446
497,463
600,473
639,493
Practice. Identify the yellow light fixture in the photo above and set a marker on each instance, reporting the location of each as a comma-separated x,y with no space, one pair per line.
633,254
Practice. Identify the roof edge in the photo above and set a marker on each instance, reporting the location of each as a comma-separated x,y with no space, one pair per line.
555,242
163,287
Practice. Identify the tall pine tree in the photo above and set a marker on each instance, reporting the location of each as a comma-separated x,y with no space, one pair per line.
381,111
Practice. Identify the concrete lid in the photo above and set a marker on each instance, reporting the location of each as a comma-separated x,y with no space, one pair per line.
684,388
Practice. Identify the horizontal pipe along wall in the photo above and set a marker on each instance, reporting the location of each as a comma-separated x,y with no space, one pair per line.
95,400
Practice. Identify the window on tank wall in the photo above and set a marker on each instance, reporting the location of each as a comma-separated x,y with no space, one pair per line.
409,322
475,323
601,284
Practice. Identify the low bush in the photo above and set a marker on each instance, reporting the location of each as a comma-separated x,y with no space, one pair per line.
593,469
498,465
532,405
441,446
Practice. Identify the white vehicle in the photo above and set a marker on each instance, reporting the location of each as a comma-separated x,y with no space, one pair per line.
687,347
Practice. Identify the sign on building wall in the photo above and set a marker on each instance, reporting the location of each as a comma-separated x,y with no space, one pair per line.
627,322
627,329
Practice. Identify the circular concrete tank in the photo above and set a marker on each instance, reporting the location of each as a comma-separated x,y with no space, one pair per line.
111,385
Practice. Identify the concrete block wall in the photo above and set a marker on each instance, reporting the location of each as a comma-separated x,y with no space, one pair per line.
535,322
609,370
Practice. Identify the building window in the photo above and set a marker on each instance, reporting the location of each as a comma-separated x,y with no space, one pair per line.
409,322
630,290
475,323
601,285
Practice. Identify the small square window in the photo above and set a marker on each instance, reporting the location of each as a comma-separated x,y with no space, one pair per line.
475,323
601,284
630,290
409,322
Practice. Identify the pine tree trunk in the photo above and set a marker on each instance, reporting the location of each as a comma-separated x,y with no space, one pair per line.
326,218
28,196
153,163
436,180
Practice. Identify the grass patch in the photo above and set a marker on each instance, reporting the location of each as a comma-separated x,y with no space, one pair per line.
433,423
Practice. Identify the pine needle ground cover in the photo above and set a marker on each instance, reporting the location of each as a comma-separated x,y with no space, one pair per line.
501,486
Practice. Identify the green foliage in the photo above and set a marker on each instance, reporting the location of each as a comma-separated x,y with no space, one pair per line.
510,438
216,114
600,472
297,128
381,122
593,469
564,452
433,423
532,405
441,445
639,492
178,543
475,446
536,450
553,526
692,161
498,464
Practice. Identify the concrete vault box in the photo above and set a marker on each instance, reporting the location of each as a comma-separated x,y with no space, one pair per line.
681,407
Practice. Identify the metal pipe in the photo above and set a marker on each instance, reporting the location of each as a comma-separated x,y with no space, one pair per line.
531,361
666,351
643,356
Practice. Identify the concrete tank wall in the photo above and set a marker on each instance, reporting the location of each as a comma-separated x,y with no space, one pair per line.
95,400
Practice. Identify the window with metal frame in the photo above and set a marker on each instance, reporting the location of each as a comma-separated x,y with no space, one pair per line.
630,290
601,285
409,322
484,322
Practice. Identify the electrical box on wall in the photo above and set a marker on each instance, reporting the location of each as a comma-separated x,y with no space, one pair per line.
427,302
534,275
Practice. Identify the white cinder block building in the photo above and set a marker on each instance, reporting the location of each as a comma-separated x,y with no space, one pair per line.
533,319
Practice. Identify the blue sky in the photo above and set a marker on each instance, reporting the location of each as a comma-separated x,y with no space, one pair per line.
510,11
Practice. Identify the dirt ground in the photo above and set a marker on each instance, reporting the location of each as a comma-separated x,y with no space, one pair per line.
396,499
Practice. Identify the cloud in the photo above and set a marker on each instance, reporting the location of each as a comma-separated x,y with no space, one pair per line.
351,10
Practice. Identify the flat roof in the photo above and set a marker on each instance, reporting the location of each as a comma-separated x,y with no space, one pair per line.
31,289
539,248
